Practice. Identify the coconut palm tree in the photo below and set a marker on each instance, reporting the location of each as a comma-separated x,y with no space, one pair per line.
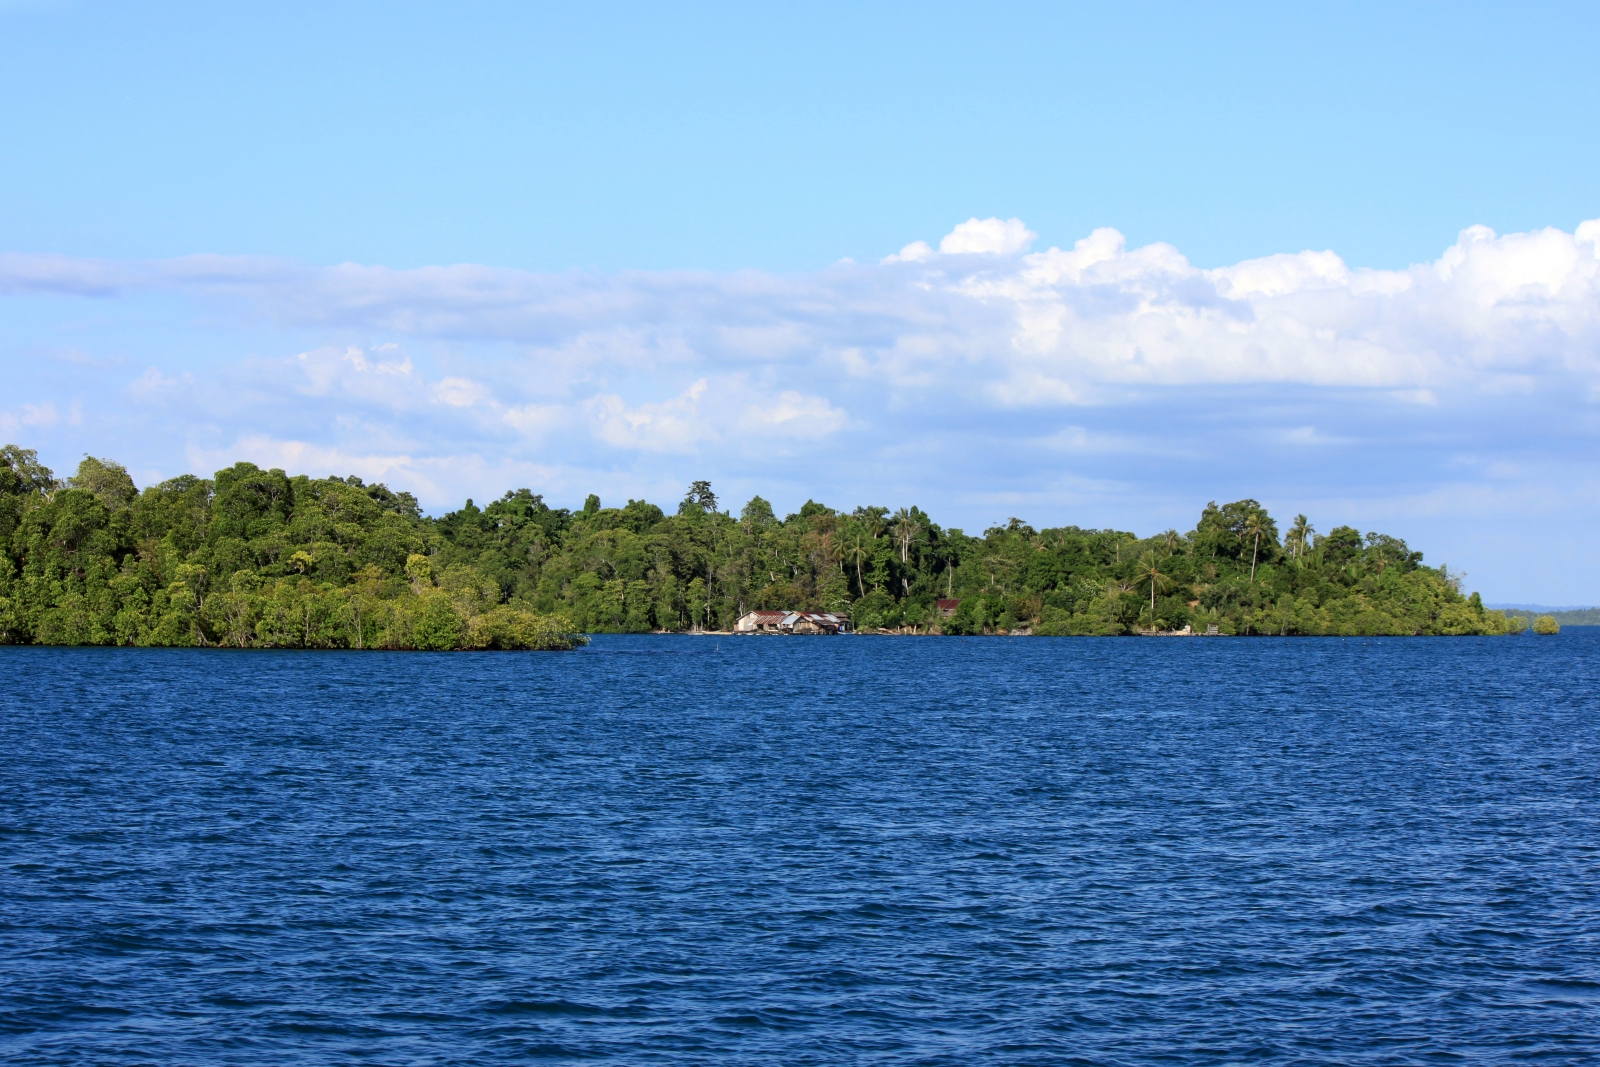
872,519
858,551
1253,529
1300,535
906,528
1150,571
829,549
1171,540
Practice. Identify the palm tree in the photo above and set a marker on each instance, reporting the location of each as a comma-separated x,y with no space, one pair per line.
1300,535
906,528
1150,571
828,548
872,518
1113,596
858,549
1171,540
1253,529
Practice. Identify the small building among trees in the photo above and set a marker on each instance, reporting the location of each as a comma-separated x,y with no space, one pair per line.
791,622
947,608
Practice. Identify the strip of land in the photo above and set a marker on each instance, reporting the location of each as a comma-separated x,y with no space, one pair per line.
253,558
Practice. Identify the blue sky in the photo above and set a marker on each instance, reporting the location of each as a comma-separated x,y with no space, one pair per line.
615,248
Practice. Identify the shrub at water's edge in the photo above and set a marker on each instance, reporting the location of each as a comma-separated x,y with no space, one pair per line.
256,558
1546,626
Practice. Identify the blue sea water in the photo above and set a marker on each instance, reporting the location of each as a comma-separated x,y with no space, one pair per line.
703,850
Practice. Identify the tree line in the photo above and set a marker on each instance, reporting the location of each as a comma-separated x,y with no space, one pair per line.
1569,617
246,559
257,558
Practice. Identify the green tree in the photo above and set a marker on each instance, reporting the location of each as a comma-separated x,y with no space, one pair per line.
700,498
106,480
757,515
1150,573
1300,535
252,557
1254,529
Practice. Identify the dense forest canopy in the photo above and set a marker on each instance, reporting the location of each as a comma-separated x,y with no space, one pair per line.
256,558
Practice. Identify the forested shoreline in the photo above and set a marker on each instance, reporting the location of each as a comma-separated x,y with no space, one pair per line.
254,558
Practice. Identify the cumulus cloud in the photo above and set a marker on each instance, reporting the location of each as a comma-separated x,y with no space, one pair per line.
536,421
1057,326
728,412
380,374
808,417
1000,237
674,425
915,252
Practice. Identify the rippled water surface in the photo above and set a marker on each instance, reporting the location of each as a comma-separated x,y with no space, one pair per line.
805,851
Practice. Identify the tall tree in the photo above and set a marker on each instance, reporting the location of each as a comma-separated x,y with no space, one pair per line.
1300,535
906,528
1253,529
859,551
700,496
1150,571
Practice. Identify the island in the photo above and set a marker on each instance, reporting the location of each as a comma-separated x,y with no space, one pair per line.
253,558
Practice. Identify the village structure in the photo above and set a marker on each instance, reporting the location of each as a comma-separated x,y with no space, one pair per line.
791,622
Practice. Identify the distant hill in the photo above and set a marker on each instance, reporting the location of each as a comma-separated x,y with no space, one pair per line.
1565,616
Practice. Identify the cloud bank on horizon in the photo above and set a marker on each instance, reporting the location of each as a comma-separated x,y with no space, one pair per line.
1097,384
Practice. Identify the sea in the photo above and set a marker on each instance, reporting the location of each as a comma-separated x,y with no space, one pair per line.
805,850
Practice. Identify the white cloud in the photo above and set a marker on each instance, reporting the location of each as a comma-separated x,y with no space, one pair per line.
915,252
381,374
153,387
1309,435
992,236
536,420
675,425
39,414
29,416
458,392
1277,275
1057,323
977,371
795,413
